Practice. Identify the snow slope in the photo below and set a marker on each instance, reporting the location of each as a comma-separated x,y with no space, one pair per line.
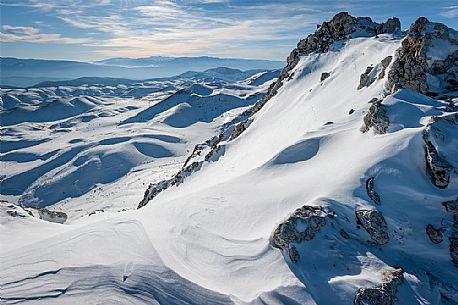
211,234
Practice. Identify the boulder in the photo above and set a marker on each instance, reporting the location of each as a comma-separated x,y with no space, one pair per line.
371,191
374,223
376,118
304,224
435,235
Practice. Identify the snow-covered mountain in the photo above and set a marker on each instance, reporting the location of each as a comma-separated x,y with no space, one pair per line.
28,72
338,186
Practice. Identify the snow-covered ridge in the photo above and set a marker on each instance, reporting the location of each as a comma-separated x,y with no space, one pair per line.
324,192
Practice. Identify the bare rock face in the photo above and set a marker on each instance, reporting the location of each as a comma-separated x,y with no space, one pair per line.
364,79
374,223
371,191
304,224
376,118
451,207
373,73
385,294
440,130
412,66
435,235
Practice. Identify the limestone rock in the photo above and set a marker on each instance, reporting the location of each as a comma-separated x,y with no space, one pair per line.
437,166
385,294
412,67
392,25
364,79
374,223
376,118
435,235
371,192
304,224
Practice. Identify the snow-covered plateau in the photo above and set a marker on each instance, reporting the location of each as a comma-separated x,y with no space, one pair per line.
335,183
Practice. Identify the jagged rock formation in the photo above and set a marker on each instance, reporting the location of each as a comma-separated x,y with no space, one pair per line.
376,118
302,225
374,223
342,26
373,73
412,66
435,235
385,294
451,206
437,165
371,191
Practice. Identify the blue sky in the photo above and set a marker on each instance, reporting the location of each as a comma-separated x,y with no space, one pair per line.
98,29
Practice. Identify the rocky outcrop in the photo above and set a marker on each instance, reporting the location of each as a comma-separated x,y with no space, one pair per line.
374,223
412,66
324,75
439,130
385,294
373,73
451,206
341,26
376,118
371,191
304,224
435,235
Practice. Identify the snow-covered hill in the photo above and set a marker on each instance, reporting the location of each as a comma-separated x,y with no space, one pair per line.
28,72
87,148
339,186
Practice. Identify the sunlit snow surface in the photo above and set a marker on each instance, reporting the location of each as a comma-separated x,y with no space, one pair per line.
206,241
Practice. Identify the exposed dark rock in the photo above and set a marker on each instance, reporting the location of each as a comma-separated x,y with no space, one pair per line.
438,168
54,216
376,118
302,225
435,235
374,223
324,75
451,206
410,68
373,73
392,25
384,63
385,294
364,80
351,111
238,130
371,192
454,243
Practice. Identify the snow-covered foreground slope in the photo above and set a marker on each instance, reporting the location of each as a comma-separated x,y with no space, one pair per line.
340,188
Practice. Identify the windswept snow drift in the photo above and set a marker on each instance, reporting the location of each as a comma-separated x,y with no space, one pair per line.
210,235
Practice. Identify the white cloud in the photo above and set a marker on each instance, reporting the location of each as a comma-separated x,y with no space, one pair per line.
30,34
450,12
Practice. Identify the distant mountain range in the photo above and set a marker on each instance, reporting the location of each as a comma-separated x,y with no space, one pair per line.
28,72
